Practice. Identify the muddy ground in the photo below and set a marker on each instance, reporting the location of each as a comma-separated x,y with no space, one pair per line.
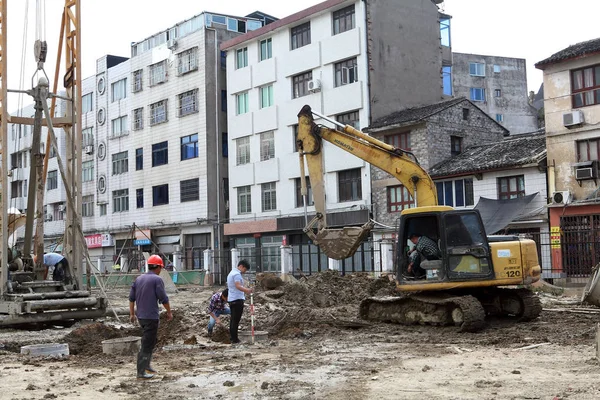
316,349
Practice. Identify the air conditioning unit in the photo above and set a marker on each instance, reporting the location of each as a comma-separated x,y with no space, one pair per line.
172,44
562,197
47,217
573,118
314,85
88,149
585,173
62,208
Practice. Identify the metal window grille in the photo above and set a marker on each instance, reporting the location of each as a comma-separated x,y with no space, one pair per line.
190,190
188,103
158,112
158,73
136,82
138,119
188,61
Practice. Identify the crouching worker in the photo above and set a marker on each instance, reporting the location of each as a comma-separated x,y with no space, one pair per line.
147,291
216,308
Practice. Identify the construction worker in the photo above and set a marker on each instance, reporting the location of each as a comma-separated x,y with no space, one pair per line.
216,308
147,291
236,297
58,265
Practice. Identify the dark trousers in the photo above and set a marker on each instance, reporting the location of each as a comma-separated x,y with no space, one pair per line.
149,336
237,309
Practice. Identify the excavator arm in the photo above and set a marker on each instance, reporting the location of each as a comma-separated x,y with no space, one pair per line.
342,243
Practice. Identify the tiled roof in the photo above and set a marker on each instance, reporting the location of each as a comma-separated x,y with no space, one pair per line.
574,51
514,151
414,114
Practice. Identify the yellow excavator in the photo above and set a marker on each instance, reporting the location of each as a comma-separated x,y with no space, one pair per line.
471,275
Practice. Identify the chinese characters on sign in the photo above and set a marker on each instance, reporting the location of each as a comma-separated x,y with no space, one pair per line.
555,237
98,240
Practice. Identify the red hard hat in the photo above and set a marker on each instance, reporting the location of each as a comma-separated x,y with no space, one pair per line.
155,260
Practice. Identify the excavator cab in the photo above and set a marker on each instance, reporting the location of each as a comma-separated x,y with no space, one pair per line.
439,244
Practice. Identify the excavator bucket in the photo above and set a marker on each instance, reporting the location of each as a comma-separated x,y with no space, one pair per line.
339,244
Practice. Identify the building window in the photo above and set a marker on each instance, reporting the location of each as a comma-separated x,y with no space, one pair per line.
457,193
52,180
346,72
139,159
136,82
119,90
300,35
588,150
160,154
138,119
188,103
496,69
87,206
160,195
343,20
244,198
88,136
447,80
445,31
497,92
300,84
187,61
499,117
87,171
189,190
119,126
87,103
158,112
18,189
241,58
224,145
350,118
269,196
295,135
139,198
465,112
477,94
242,103
18,160
189,147
586,86
224,100
349,185
103,209
120,163
456,143
266,96
158,73
511,187
477,69
223,59
398,140
310,201
266,51
267,146
399,198
120,200
242,150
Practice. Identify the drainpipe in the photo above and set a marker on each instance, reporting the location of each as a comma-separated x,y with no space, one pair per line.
551,180
217,141
368,53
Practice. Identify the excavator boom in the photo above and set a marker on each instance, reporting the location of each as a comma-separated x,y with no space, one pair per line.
342,243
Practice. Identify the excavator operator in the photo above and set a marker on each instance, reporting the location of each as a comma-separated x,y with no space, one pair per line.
424,247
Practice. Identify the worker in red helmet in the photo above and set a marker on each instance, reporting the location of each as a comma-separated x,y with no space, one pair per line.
147,291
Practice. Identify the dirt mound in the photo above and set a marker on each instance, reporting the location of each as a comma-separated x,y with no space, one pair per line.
87,340
170,332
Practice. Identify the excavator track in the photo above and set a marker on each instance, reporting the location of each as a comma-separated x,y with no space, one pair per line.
521,304
443,309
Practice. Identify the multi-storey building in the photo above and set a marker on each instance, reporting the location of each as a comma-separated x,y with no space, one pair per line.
155,145
351,60
498,85
572,117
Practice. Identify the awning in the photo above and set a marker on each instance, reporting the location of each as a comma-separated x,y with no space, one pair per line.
498,214
172,239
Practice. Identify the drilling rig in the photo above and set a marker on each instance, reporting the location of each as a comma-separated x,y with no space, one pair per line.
26,296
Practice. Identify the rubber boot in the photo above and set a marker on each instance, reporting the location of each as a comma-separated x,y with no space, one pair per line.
143,362
149,368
